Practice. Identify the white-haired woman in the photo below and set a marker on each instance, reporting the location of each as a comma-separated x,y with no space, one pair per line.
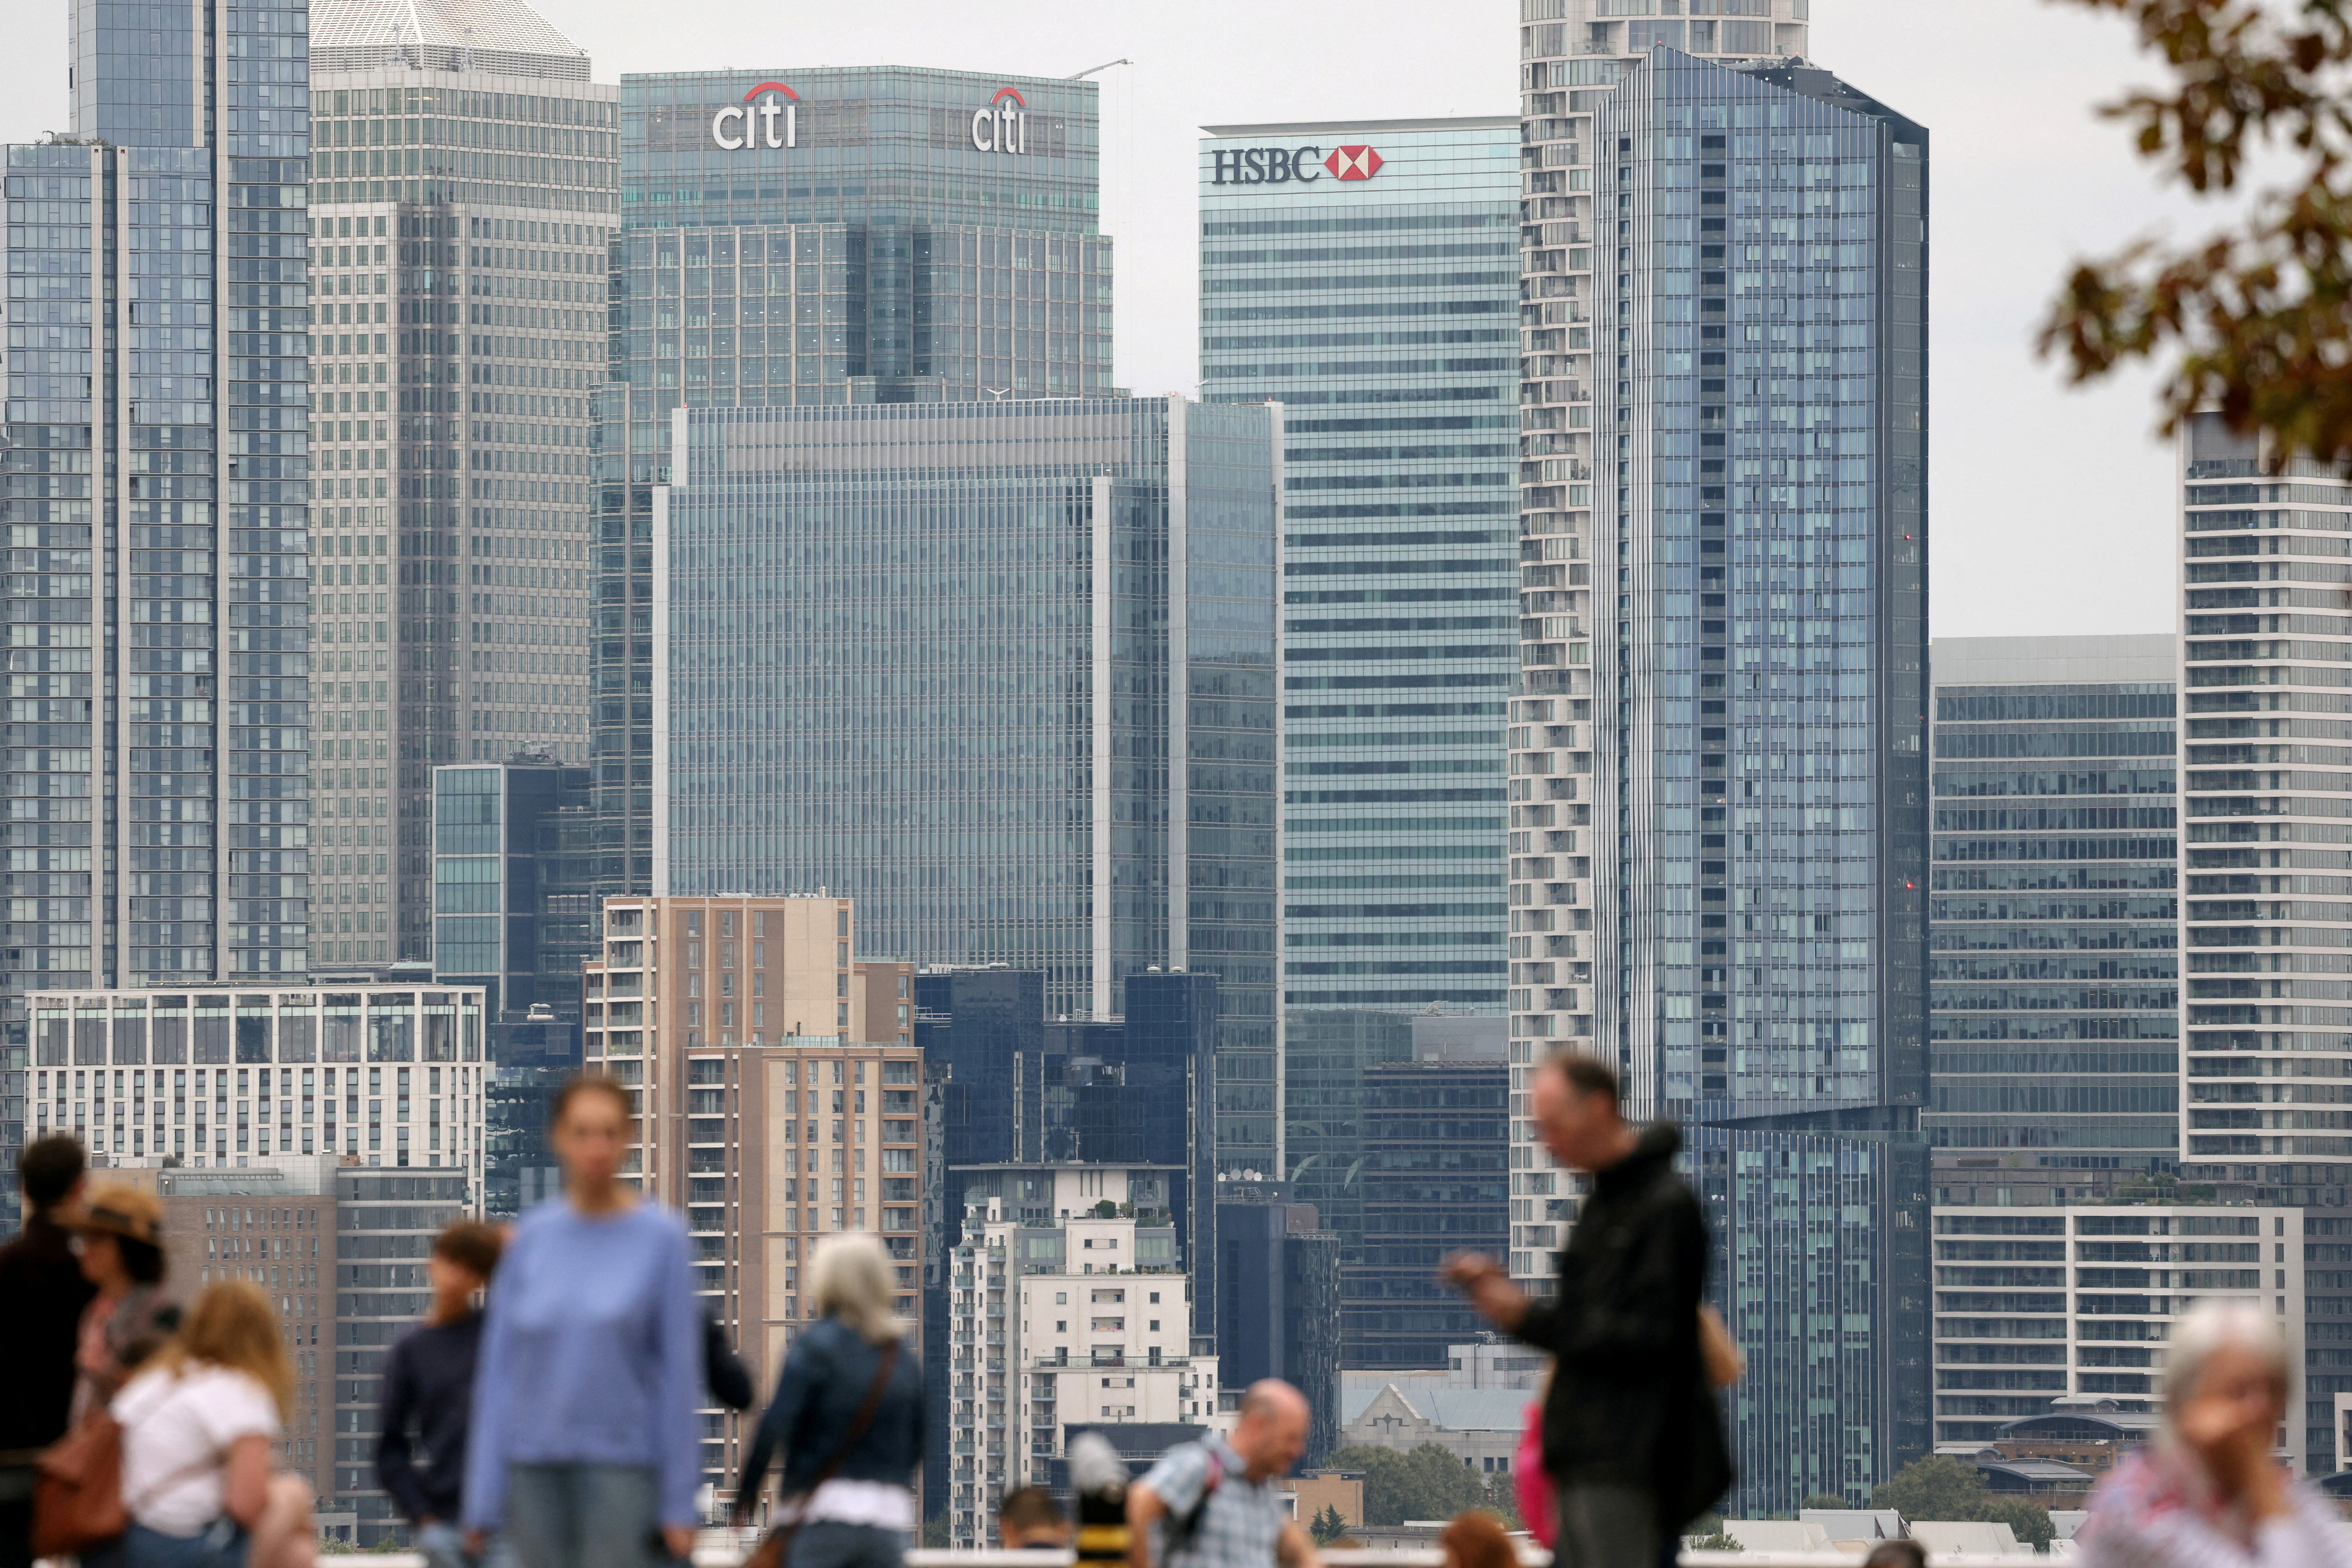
2208,1493
849,1416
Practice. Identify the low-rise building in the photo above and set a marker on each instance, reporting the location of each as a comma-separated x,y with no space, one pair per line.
1069,1308
1480,1427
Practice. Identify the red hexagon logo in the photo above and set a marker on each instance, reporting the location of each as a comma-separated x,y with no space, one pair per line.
1353,163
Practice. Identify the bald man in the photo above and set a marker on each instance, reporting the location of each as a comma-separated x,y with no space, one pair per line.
1213,1504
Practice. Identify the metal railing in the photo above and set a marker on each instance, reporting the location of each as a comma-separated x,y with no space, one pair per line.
724,1549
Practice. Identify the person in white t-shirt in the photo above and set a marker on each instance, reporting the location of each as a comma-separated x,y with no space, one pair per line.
199,1422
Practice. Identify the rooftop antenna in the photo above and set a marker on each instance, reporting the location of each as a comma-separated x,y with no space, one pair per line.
1091,69
998,392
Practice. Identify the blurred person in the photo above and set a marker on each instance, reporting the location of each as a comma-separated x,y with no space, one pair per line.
585,1446
199,1424
1477,1539
1632,1442
729,1380
428,1394
1214,1501
1029,1517
2209,1491
42,1294
119,1234
847,1418
1900,1552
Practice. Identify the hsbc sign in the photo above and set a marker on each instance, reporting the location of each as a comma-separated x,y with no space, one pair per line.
1292,165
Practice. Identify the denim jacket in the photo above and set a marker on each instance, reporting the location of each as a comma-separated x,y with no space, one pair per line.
817,1398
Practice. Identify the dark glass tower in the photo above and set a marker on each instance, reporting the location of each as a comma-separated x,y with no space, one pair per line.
1759,818
888,235
156,473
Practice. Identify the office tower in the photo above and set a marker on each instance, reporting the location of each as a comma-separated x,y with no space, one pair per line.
515,913
2053,918
1395,241
1063,614
1572,55
388,1076
463,181
822,236
2261,707
157,493
273,1224
1070,1306
2013,1343
721,1014
1434,1183
1755,819
1278,1305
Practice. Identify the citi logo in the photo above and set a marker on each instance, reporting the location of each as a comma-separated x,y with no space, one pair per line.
1004,125
1290,165
767,110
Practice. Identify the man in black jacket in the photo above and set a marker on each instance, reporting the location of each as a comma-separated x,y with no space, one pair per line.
428,1394
1631,1438
42,1293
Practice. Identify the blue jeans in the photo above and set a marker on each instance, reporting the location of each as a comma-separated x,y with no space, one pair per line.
583,1516
829,1544
222,1546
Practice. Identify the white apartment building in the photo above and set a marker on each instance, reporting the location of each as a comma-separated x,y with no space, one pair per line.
1069,1306
385,1075
2037,1304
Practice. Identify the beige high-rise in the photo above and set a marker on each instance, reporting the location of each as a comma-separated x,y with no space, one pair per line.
778,1094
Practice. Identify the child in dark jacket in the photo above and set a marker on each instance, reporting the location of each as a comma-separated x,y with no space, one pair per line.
428,1394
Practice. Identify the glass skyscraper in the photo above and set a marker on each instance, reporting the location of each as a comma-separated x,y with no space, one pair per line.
2053,918
2268,1035
1754,824
821,237
156,476
1000,672
1572,55
464,181
1364,274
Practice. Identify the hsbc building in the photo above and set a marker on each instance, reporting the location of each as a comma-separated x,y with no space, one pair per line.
1365,275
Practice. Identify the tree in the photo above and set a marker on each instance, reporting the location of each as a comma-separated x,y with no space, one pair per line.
935,1532
1824,1500
2029,1521
1328,1526
1937,1487
1427,1483
2261,314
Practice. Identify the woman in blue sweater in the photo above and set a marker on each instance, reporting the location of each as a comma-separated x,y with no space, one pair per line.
852,1490
584,1447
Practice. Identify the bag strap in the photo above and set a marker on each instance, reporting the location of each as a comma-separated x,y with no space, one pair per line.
1187,1525
154,1488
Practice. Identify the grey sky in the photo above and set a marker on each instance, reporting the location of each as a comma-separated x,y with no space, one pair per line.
2051,510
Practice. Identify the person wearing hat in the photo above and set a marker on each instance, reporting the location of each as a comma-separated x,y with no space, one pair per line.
118,1232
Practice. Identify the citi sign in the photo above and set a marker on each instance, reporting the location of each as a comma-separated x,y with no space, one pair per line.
755,124
1292,165
1004,125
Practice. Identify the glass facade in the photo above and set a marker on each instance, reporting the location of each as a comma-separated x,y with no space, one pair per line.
1757,827
155,477
1055,746
464,187
2052,917
826,236
2265,711
1433,1184
1372,289
1572,55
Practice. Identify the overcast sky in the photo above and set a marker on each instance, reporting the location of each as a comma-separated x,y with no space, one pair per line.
2050,509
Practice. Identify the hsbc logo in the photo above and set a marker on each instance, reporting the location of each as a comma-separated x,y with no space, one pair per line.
1291,165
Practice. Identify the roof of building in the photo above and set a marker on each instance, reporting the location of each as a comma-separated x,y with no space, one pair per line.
1964,1537
2090,1426
1856,1523
1326,126
2032,1475
504,37
1449,1409
1777,1534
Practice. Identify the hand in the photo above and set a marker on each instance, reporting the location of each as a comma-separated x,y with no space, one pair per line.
678,1540
2233,1436
1490,1289
1464,1270
477,1543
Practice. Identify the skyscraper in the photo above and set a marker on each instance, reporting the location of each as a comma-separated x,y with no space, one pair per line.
822,236
1755,823
2053,918
1003,673
464,186
1572,55
2265,705
156,478
1364,274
